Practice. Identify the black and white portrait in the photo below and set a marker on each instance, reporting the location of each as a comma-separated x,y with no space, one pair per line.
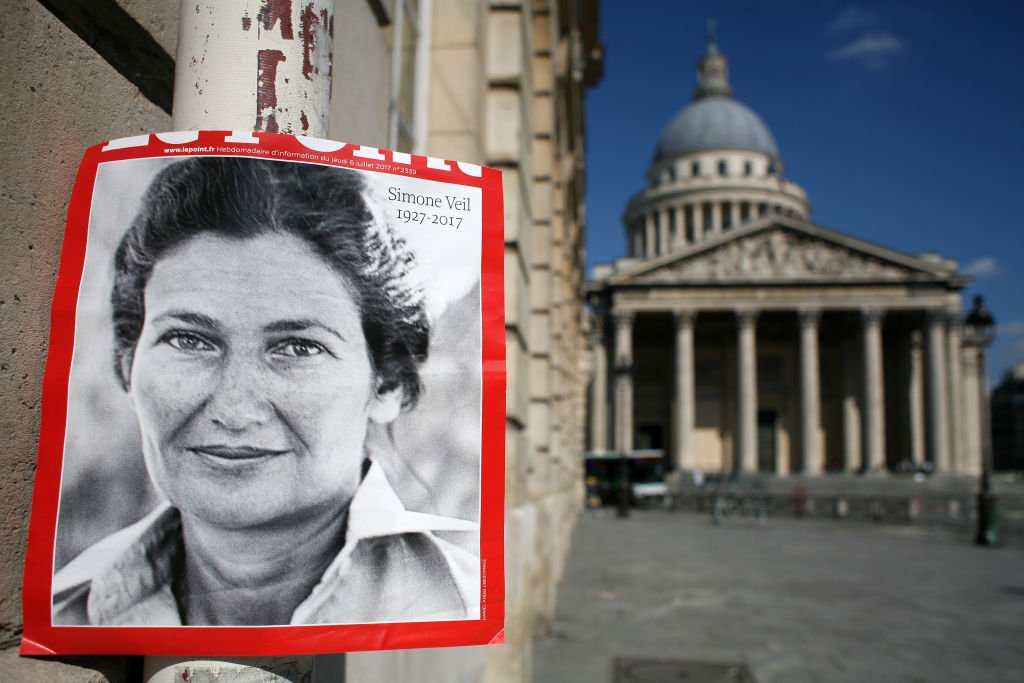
274,403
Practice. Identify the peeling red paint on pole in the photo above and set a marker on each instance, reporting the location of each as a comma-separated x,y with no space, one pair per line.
291,44
266,90
274,11
308,34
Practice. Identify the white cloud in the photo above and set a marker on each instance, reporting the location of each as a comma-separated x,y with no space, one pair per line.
1013,327
872,48
852,18
986,266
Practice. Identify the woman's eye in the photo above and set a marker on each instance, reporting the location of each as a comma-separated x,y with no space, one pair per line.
187,341
297,348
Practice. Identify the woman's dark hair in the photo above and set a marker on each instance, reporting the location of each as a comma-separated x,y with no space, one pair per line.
240,198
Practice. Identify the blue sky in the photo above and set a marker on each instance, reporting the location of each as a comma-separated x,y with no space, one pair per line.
904,121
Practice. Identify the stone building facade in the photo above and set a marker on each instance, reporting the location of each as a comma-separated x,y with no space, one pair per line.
739,337
494,83
1008,421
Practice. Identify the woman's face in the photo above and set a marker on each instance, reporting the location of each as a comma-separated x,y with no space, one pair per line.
252,382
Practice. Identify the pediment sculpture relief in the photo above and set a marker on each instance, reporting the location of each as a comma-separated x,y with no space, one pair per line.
780,254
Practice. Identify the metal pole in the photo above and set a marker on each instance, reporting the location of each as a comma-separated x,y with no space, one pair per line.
623,484
254,65
986,532
265,67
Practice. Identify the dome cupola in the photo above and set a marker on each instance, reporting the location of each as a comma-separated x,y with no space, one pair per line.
716,168
714,120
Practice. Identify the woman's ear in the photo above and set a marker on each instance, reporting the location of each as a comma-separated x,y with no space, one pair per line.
386,403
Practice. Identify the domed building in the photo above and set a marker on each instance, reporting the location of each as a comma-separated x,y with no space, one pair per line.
737,336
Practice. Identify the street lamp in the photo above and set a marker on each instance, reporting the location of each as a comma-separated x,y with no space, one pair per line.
623,370
979,331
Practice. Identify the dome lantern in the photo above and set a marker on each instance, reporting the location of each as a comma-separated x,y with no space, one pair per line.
712,70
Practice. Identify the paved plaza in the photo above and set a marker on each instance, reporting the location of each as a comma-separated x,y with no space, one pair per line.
796,600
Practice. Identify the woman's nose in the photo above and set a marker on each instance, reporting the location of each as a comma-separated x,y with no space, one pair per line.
239,399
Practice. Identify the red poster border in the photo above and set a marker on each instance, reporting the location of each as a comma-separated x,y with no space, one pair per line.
41,637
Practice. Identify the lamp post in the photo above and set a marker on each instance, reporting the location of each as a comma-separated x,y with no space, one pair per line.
980,330
623,371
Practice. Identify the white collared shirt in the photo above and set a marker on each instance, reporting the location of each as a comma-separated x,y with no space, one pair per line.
393,567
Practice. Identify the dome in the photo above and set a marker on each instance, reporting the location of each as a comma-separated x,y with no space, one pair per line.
715,122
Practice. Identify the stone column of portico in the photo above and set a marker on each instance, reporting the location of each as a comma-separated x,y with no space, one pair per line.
852,452
599,408
746,391
624,382
874,393
650,238
734,214
716,217
938,414
680,214
810,402
685,416
700,223
916,397
663,232
954,412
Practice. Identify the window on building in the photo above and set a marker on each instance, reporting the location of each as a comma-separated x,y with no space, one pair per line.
748,168
695,168
723,167
771,169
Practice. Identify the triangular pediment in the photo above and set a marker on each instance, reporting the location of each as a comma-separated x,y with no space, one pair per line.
778,249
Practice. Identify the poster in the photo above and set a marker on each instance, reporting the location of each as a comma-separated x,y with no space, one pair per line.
273,407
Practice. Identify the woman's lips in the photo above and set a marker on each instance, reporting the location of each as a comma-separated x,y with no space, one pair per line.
236,452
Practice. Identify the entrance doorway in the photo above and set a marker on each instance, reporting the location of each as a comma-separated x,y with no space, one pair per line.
649,437
766,422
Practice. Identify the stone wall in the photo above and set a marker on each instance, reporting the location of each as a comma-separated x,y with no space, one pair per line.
60,97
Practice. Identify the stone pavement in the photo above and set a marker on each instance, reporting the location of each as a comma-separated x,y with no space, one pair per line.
796,600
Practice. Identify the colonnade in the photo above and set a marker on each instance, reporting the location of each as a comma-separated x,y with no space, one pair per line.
663,229
933,408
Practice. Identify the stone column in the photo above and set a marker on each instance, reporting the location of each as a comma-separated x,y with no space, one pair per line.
716,217
852,452
650,238
699,225
810,397
599,397
624,382
973,390
685,415
734,214
663,232
874,392
954,411
746,391
916,397
938,415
